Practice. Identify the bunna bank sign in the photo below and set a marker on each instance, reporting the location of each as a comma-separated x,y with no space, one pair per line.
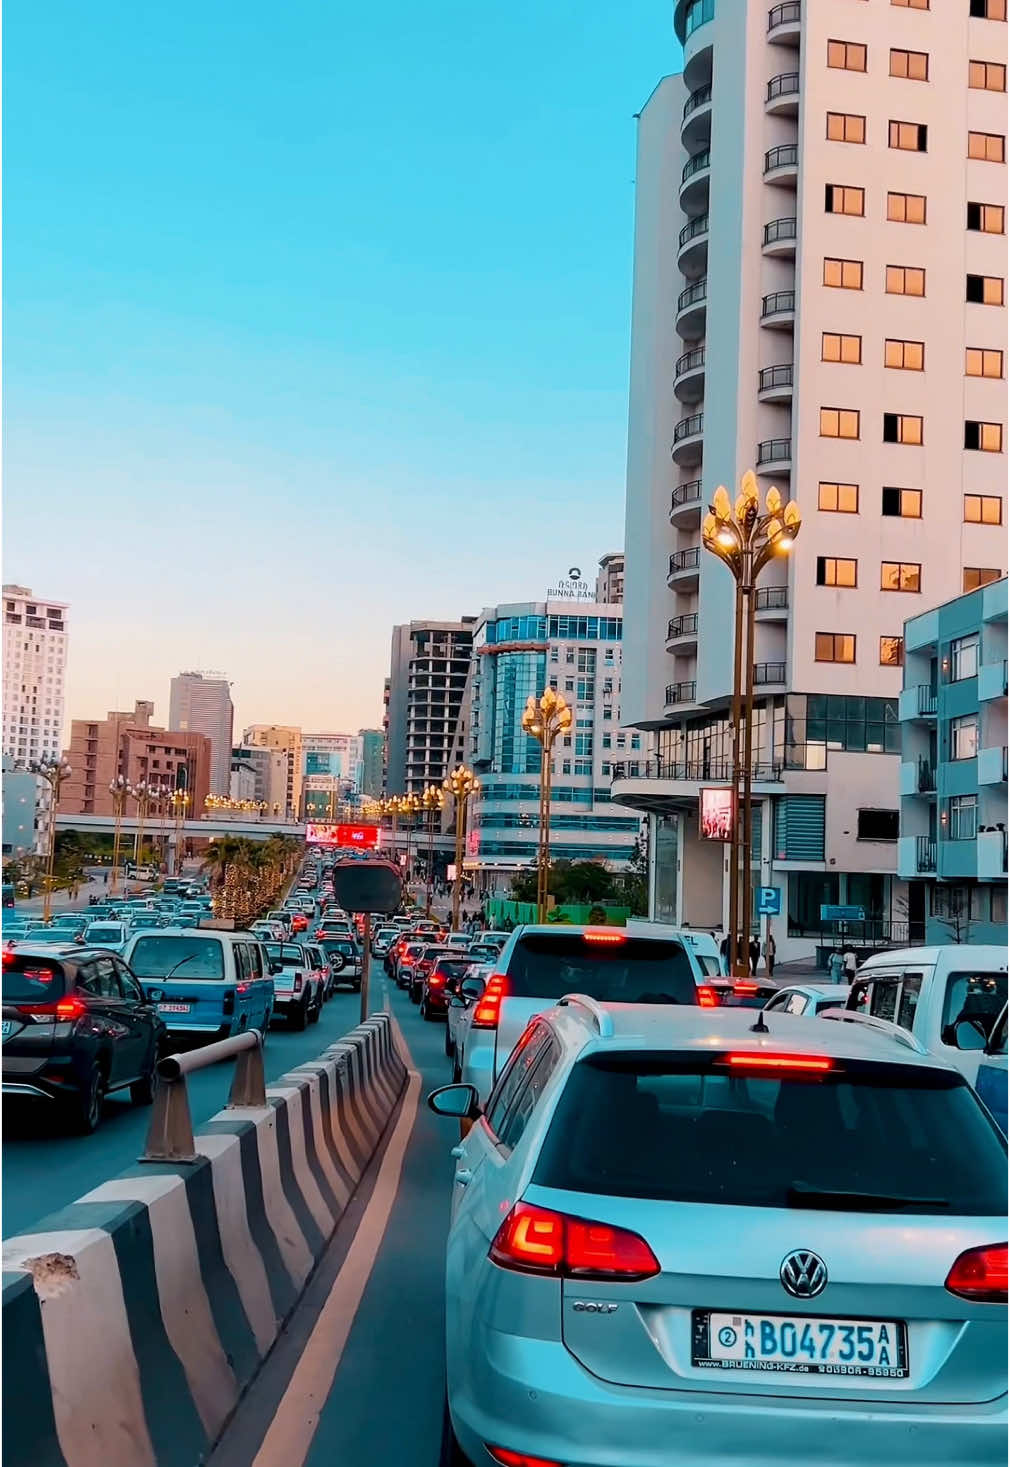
571,587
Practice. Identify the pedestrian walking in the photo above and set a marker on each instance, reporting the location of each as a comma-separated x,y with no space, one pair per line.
849,963
770,953
754,949
836,966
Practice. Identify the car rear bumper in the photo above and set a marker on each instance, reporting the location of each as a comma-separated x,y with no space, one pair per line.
532,1396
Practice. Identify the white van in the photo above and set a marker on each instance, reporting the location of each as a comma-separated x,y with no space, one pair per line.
952,999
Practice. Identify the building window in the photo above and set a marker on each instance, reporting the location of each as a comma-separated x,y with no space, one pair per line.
905,280
987,9
964,737
974,576
843,274
983,509
964,658
987,76
903,503
843,198
900,575
907,355
876,825
962,817
906,208
838,498
912,4
892,651
836,348
987,147
984,290
909,137
981,361
833,571
912,65
986,218
847,55
834,647
986,437
902,428
839,423
846,127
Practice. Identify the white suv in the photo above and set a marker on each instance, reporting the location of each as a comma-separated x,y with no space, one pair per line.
706,1237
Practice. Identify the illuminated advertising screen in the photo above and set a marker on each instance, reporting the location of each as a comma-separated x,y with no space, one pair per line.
715,816
353,837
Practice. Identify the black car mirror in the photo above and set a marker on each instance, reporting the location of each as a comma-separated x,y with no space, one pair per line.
458,1101
276,968
968,1034
471,988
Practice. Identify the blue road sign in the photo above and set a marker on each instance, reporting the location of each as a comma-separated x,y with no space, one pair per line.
843,914
769,901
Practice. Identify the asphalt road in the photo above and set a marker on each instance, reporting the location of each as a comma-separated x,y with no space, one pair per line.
44,1169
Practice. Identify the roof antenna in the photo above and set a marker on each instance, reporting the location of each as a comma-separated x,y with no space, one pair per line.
760,1027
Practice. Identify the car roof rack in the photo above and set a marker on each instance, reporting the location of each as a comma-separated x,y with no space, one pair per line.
883,1026
602,1018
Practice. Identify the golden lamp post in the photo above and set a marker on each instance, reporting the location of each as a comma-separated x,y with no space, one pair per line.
180,803
143,793
409,806
54,772
461,784
543,721
745,539
432,800
119,789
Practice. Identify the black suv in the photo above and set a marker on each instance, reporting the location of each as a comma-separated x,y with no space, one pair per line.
76,1025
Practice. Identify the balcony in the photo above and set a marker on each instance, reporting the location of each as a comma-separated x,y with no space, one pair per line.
784,22
771,603
694,183
683,572
992,681
775,456
775,384
992,861
778,309
682,630
992,765
769,674
782,98
779,238
688,439
925,853
917,777
782,165
689,375
680,693
691,21
917,702
691,311
685,504
696,123
692,246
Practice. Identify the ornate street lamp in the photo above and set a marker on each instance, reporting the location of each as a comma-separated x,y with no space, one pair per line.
54,772
461,784
432,800
408,806
543,721
119,789
745,539
143,793
180,802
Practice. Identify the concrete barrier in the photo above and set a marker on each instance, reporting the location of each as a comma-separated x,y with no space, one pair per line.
135,1318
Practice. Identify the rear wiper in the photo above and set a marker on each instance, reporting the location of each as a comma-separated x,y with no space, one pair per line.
802,1194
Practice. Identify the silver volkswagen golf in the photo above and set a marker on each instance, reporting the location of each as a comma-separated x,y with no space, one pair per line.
683,1236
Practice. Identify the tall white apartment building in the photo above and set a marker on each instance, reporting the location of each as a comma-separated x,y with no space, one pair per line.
819,294
34,687
200,702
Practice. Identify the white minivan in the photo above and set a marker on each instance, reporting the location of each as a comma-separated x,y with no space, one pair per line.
952,999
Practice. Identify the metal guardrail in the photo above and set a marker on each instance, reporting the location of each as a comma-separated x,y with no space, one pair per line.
925,701
771,598
784,85
785,155
769,672
778,300
682,560
697,164
696,770
170,1134
785,14
775,450
693,228
780,376
779,229
680,693
700,97
682,626
925,853
689,493
689,362
693,294
689,427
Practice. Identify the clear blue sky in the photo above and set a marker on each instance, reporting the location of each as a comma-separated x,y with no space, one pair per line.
316,320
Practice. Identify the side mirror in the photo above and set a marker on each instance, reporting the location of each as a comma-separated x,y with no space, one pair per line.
458,1101
471,989
968,1035
276,968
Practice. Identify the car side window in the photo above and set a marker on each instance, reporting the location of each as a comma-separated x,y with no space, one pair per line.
796,1003
527,1050
528,1094
911,987
774,1004
100,979
884,998
975,999
130,988
243,965
257,962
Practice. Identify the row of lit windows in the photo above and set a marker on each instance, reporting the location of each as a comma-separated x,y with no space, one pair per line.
988,76
907,428
895,575
982,290
909,356
841,646
979,509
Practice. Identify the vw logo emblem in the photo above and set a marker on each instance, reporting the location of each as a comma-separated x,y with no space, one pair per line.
803,1274
574,573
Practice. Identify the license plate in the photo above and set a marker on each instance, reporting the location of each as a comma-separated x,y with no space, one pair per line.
173,1008
8,1027
799,1344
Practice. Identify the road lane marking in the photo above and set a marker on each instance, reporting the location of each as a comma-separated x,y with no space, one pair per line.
296,1420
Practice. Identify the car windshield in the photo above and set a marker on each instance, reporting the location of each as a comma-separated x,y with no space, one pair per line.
44,934
903,1138
143,924
346,948
31,980
611,967
104,932
193,957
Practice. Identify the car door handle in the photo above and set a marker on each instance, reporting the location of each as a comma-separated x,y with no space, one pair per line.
463,1176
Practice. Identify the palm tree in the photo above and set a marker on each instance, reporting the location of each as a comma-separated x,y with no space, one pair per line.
220,854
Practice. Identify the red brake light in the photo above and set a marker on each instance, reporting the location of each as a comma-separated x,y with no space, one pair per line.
599,936
298,982
706,997
241,987
64,1010
538,1240
9,956
436,980
980,1274
508,1458
780,1062
485,1015
745,988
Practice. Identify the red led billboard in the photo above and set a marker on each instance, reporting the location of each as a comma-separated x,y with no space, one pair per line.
351,837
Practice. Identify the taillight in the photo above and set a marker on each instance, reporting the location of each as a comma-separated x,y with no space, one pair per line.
706,998
298,983
228,1001
436,980
539,1240
779,1062
609,937
980,1274
485,1015
745,988
64,1010
507,1458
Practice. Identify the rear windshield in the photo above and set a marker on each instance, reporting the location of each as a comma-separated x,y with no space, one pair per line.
744,995
862,1138
105,932
292,953
28,980
337,947
629,970
193,957
143,924
453,967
